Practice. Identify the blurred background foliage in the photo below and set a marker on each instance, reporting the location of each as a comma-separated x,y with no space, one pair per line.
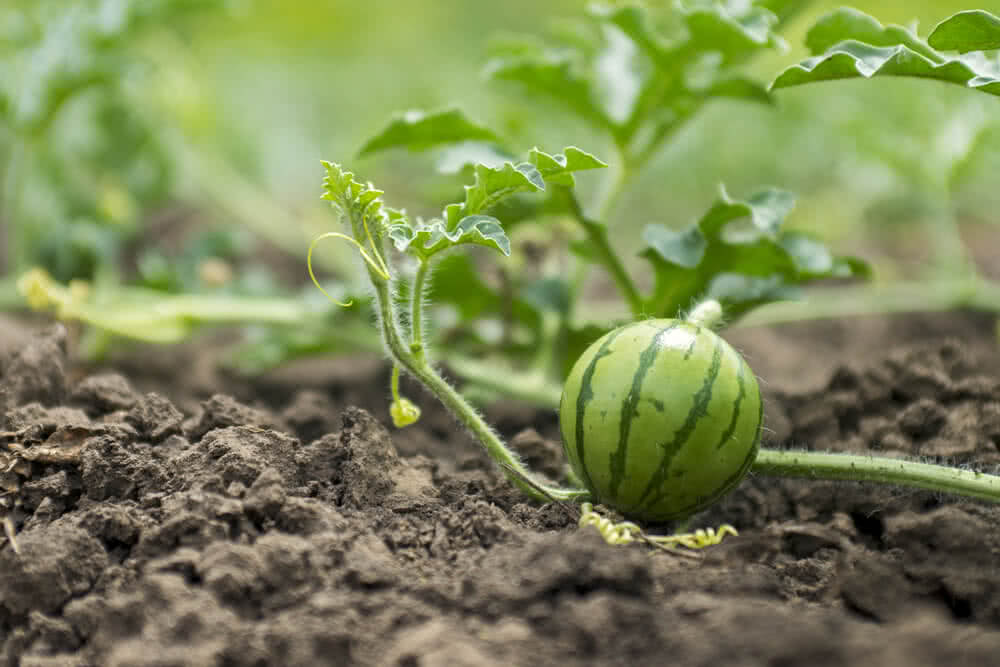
293,86
218,113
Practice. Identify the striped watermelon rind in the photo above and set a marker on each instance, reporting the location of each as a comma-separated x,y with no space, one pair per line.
660,418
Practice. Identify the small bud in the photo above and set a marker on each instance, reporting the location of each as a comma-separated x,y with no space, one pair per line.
404,412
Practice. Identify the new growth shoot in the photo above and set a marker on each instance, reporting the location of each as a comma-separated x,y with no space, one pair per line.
368,219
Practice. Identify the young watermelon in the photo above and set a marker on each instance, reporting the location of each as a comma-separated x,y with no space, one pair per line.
660,418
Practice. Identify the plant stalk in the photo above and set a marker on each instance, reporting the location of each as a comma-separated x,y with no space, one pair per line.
864,468
621,171
416,308
597,235
402,354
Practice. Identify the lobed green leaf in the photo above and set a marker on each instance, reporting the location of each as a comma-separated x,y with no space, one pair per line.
466,222
973,30
558,169
737,253
418,130
493,185
739,87
766,209
730,30
853,45
850,24
556,77
634,80
636,24
733,32
852,60
428,238
360,203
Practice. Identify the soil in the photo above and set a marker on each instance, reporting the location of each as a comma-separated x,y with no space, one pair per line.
167,513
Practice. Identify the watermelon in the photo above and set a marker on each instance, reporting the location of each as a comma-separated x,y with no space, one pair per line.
660,418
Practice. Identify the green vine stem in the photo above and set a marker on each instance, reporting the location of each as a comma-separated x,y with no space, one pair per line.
417,365
598,237
864,468
416,308
614,184
458,406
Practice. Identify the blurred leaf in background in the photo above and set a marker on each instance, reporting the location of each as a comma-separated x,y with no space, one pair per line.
84,153
276,68
94,159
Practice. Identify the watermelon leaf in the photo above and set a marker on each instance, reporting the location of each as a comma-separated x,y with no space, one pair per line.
553,76
628,77
558,169
850,44
355,201
973,30
737,253
427,238
466,222
418,130
493,185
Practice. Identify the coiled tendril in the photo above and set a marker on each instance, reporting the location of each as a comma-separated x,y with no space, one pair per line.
626,532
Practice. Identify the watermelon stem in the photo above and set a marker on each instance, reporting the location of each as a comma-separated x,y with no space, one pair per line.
707,313
864,468
417,290
410,356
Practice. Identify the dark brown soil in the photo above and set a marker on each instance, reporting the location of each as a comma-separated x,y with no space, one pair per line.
159,523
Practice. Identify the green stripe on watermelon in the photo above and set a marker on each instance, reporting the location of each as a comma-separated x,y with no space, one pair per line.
629,408
583,397
727,436
729,484
659,418
682,436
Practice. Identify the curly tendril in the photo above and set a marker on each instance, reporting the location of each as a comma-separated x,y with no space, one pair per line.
626,532
699,539
378,265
